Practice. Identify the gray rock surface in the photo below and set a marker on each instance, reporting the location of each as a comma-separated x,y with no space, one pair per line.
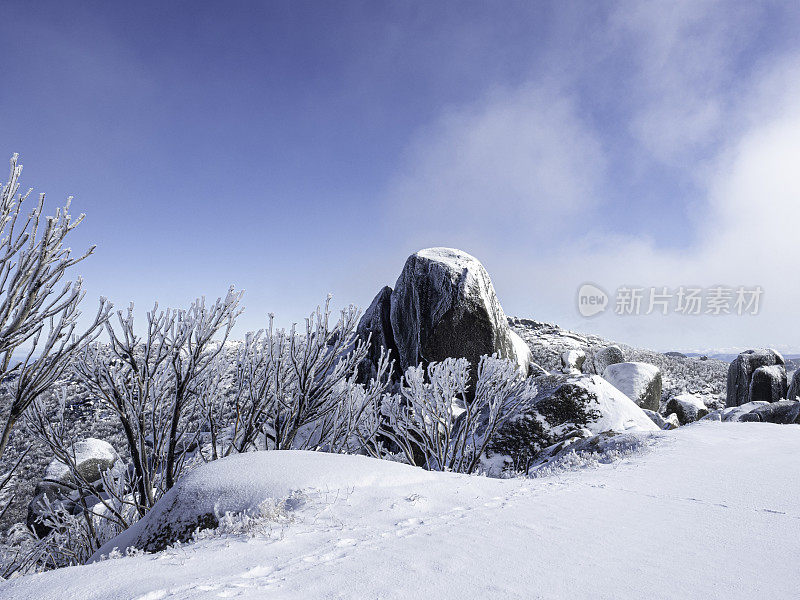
444,305
687,407
610,355
794,387
768,384
376,321
740,373
782,412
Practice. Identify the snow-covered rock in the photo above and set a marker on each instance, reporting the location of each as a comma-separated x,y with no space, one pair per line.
688,407
782,412
672,421
768,384
641,382
376,322
92,458
240,484
572,360
609,355
444,305
732,413
567,406
740,373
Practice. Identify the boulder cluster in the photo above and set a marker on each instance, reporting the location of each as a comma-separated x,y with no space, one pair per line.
758,389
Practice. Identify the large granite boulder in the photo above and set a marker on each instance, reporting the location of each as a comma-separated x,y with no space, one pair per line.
740,373
641,382
768,384
444,305
567,407
376,325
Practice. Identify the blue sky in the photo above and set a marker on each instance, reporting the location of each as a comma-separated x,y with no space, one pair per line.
299,148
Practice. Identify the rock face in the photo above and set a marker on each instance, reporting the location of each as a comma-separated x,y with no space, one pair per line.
610,355
572,360
92,458
687,407
376,322
444,305
641,382
567,407
768,384
740,374
794,388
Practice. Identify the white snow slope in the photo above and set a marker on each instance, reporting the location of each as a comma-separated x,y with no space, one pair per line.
710,510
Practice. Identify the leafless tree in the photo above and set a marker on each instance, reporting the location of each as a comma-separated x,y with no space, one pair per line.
151,382
37,311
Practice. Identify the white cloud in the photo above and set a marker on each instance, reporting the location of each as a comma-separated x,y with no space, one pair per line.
523,156
518,179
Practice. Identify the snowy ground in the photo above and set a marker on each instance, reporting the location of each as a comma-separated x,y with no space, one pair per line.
710,510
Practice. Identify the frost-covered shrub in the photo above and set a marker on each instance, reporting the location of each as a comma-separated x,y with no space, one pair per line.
434,424
151,383
37,310
297,390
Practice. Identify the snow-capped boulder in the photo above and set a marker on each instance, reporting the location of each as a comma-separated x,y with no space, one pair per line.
609,355
242,483
641,382
444,305
92,458
740,373
567,406
768,384
732,413
672,421
782,412
376,321
572,360
687,407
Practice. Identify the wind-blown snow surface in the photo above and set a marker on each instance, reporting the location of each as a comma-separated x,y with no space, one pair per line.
710,510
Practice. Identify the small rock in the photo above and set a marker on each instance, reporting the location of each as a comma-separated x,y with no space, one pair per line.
687,407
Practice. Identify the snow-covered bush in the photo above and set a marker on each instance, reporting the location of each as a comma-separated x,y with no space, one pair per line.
297,390
434,424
